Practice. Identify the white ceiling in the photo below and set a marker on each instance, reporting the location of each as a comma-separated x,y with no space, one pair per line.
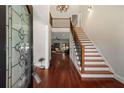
73,9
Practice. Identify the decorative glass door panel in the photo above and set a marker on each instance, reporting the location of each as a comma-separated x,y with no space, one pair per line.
18,46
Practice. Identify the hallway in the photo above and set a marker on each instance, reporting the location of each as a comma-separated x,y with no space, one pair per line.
62,74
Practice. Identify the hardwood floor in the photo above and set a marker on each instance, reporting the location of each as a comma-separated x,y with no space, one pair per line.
62,74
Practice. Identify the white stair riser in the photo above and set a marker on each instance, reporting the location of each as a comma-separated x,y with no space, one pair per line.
96,69
94,63
89,47
87,44
97,76
93,58
90,50
90,58
91,53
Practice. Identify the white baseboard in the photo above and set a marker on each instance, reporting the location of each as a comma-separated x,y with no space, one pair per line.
119,78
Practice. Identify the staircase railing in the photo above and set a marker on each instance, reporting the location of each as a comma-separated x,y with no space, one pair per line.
78,46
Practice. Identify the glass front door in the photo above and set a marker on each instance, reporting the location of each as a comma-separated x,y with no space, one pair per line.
18,45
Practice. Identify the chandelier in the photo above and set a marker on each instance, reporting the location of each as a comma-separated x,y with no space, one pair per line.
62,8
90,8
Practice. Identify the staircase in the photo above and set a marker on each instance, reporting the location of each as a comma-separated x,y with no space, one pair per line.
90,62
85,56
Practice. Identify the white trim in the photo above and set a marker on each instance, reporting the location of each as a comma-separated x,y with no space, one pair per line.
47,62
119,78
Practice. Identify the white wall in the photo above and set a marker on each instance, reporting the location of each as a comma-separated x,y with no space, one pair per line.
49,41
41,33
105,25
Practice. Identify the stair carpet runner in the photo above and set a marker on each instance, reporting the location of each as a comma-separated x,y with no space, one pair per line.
94,64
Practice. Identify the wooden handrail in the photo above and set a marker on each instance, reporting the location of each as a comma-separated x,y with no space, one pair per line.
76,40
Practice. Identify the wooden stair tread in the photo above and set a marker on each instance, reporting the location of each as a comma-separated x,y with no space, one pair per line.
80,33
81,37
88,45
90,48
95,66
92,55
96,72
85,42
77,28
94,60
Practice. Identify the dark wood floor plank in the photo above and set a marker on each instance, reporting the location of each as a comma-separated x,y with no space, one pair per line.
62,74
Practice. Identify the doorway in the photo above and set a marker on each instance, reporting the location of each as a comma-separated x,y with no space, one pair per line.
60,42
